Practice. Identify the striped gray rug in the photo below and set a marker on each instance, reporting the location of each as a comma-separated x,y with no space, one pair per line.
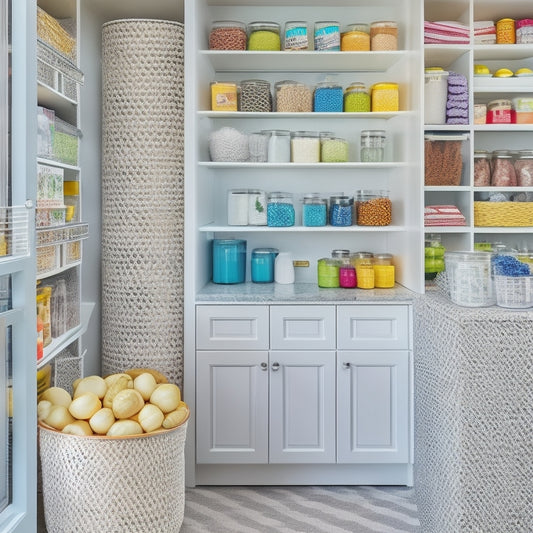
309,509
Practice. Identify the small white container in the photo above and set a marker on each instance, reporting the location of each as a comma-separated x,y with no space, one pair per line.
435,95
284,268
238,207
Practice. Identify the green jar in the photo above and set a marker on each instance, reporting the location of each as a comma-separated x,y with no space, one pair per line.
264,36
356,98
328,273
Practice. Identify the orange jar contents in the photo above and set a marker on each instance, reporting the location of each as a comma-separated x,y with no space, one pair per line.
356,38
385,97
505,31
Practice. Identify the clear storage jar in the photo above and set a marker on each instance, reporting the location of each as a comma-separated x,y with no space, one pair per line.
385,97
279,145
347,275
503,170
258,147
356,98
356,38
340,210
255,96
435,95
295,36
305,147
328,97
327,36
314,210
524,168
264,36
481,168
372,146
383,36
293,97
328,272
224,96
238,207
334,150
257,207
280,209
227,35
373,208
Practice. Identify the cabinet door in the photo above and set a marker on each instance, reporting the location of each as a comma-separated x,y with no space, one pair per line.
302,407
302,327
232,327
373,327
373,407
232,407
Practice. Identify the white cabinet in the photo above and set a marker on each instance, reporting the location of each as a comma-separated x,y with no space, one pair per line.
311,395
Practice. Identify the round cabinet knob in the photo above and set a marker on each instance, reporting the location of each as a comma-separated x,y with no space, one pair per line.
264,366
275,367
346,365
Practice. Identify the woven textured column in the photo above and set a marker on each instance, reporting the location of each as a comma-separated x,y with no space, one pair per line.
142,196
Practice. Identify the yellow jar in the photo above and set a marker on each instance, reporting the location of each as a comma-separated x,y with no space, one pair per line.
384,276
223,96
505,31
356,37
365,277
385,97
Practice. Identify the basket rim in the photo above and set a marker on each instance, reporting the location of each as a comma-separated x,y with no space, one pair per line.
163,21
42,426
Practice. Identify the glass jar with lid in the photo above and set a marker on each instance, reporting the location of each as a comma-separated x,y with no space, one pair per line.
328,272
347,275
305,147
238,207
340,253
503,171
280,209
293,97
373,208
295,36
257,207
481,168
372,146
356,37
334,150
224,96
314,210
328,97
433,256
264,36
385,97
524,168
356,98
255,96
362,259
327,36
340,210
279,145
262,264
382,259
383,36
227,35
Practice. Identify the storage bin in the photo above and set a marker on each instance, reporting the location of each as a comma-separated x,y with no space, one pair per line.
99,483
503,214
65,142
53,32
435,95
71,253
443,160
49,216
49,186
515,292
48,258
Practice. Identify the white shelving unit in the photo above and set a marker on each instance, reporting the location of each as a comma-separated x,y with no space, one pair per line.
461,58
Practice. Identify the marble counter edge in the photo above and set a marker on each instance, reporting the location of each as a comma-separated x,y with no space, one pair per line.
301,293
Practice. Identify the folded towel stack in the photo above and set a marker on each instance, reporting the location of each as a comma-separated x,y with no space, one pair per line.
484,32
457,101
443,215
446,32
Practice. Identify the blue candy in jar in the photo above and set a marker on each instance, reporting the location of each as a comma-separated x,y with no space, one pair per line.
328,97
314,210
340,210
280,210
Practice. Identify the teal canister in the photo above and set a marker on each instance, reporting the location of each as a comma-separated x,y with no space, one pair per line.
262,264
229,261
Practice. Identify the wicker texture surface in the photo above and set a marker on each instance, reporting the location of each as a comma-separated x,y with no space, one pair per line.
103,485
503,214
474,417
142,196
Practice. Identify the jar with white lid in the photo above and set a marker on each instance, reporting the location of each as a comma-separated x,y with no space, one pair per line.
305,147
295,36
383,36
327,36
280,209
435,95
372,146
264,36
227,35
314,210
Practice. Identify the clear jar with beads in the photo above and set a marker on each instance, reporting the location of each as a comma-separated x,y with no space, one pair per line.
305,147
280,209
314,210
340,210
328,98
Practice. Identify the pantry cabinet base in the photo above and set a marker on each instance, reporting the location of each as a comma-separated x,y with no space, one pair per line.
367,474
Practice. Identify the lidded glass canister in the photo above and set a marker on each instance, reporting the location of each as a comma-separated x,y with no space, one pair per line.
295,36
255,96
293,97
264,36
327,36
328,97
372,146
383,36
280,209
385,97
340,210
305,147
262,264
257,207
373,208
356,37
356,98
328,272
279,145
314,210
227,35
481,168
334,150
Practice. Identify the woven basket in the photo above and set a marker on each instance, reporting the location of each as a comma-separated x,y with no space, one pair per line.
503,214
113,484
51,31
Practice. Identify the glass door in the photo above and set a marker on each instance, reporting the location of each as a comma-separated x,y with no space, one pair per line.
17,268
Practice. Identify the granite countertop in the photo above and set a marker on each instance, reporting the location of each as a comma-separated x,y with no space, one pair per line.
308,293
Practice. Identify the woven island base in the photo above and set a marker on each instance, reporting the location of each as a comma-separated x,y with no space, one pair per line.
111,484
